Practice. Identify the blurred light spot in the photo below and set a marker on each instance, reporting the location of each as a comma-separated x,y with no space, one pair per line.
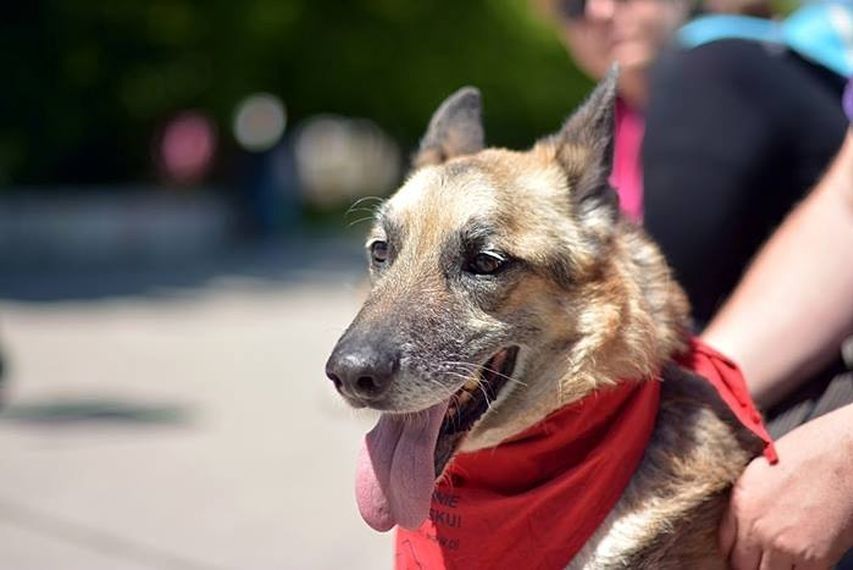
259,122
340,159
187,147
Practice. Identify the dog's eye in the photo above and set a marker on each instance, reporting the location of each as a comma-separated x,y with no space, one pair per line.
379,252
485,264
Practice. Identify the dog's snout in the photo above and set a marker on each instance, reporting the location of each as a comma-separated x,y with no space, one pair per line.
363,371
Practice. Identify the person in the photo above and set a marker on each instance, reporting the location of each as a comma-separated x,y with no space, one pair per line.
599,32
787,317
714,144
736,133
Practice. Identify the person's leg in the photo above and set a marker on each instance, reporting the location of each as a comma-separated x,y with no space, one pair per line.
830,390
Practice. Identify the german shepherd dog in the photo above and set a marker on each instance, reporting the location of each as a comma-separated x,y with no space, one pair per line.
505,286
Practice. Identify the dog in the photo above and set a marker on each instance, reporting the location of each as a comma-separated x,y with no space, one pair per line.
508,294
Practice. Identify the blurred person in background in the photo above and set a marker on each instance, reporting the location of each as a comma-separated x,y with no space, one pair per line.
737,132
715,140
785,320
722,126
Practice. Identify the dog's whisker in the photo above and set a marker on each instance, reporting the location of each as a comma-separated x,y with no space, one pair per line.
446,390
360,220
371,211
480,367
457,374
489,402
363,199
506,377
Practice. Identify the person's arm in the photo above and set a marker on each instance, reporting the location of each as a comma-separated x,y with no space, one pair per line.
794,306
789,314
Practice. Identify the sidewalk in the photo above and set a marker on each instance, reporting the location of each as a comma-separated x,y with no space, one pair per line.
185,430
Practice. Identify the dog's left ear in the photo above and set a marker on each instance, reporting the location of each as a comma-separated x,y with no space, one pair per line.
455,129
584,148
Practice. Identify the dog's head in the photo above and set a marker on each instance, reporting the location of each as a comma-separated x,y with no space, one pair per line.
502,289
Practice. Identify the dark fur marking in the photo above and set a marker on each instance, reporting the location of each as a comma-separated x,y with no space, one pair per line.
591,128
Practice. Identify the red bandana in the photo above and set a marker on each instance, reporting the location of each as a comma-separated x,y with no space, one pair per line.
726,378
502,507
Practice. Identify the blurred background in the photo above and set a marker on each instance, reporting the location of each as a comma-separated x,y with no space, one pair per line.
178,256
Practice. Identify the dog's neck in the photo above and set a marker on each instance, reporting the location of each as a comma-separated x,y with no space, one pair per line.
633,325
625,331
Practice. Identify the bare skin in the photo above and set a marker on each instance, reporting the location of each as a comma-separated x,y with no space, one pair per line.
628,33
798,513
807,260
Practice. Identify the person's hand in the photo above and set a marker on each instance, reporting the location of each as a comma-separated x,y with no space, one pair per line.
799,512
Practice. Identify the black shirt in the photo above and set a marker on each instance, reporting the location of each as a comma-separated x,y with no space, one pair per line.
737,132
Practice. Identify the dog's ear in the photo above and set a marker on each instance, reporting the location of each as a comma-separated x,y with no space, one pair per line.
584,148
455,129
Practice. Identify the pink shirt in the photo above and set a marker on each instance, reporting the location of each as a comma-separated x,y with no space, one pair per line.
627,175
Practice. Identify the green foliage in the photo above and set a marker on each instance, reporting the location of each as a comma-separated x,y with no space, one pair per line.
87,83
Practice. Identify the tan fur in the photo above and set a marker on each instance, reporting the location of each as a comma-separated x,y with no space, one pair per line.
592,302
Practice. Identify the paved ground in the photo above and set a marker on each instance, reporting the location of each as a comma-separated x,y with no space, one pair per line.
181,427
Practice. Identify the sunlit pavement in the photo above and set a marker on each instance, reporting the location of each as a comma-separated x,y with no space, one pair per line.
190,428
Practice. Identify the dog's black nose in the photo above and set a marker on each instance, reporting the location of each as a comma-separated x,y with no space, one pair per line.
362,372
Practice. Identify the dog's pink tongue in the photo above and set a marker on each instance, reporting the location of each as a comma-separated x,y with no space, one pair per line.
396,469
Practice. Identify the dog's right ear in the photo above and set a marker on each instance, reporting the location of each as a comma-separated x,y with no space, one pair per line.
455,129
